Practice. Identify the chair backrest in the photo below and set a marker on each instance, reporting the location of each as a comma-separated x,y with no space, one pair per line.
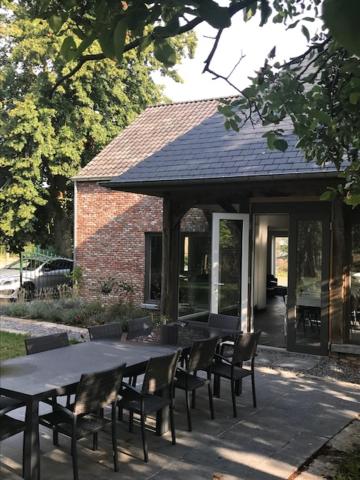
138,327
245,347
227,322
97,390
202,354
160,373
47,342
107,331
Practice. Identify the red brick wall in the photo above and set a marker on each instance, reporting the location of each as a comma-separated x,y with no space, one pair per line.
110,240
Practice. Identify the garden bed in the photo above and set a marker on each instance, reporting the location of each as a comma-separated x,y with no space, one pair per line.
74,312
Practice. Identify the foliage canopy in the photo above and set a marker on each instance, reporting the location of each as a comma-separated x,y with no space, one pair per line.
45,139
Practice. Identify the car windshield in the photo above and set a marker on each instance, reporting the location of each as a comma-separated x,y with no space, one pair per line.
28,264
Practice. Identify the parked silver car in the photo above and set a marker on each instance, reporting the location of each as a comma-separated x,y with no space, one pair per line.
37,273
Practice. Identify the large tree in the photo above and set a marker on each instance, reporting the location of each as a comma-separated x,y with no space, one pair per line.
319,91
45,139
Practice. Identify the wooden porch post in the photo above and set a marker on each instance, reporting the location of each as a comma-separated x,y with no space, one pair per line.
170,260
338,274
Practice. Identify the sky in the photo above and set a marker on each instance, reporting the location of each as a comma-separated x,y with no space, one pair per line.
240,39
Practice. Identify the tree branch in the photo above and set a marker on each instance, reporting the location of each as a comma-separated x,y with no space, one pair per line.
190,25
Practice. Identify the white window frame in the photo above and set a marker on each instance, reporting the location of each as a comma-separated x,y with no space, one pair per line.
214,304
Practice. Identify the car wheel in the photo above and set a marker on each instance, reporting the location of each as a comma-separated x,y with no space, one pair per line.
29,291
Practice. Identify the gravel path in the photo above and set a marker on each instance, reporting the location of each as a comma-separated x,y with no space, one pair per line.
35,328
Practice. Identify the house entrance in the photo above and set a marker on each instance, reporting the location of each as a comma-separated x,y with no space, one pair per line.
270,277
230,265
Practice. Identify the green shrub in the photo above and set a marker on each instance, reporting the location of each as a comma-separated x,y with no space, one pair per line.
74,311
14,310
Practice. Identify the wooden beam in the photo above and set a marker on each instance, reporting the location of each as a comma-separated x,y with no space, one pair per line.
227,206
170,259
337,275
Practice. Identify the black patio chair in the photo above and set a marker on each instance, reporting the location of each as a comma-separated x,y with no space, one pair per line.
113,331
94,392
139,327
9,427
8,404
156,393
35,345
225,322
244,350
108,331
47,342
200,359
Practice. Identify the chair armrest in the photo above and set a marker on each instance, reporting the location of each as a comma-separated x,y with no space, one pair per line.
223,359
130,388
64,410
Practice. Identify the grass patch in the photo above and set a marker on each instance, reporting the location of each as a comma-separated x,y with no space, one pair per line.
11,345
349,468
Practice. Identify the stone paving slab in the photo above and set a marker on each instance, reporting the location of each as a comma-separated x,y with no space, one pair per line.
325,464
294,418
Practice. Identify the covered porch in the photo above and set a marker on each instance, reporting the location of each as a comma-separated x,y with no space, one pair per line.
234,255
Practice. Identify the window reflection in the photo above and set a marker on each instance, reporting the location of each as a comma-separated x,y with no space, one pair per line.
354,324
308,282
195,267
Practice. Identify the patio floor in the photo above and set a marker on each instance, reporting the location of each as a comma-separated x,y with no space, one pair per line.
296,415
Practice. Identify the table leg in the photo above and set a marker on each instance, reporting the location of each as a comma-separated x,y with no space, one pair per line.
162,417
31,442
162,421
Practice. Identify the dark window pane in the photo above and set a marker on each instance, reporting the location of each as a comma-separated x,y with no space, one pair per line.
354,324
230,250
155,267
308,282
194,273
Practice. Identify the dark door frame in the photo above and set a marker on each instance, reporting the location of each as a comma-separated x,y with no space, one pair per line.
306,211
323,348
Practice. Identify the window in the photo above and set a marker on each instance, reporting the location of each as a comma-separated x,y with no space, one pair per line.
153,254
194,282
354,325
194,270
280,259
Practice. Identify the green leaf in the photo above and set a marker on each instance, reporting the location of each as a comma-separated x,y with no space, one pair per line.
106,40
265,10
280,144
272,52
354,98
165,53
353,199
55,22
305,32
119,38
342,19
328,195
214,15
86,43
250,11
69,49
293,25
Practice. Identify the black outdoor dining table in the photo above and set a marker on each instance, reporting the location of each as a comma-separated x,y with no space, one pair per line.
37,377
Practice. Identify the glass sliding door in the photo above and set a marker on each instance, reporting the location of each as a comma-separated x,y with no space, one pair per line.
307,320
229,280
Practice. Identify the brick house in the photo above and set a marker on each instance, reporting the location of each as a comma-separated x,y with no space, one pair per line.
214,221
113,229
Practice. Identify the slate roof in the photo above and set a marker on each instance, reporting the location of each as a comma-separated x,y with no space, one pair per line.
187,142
153,129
